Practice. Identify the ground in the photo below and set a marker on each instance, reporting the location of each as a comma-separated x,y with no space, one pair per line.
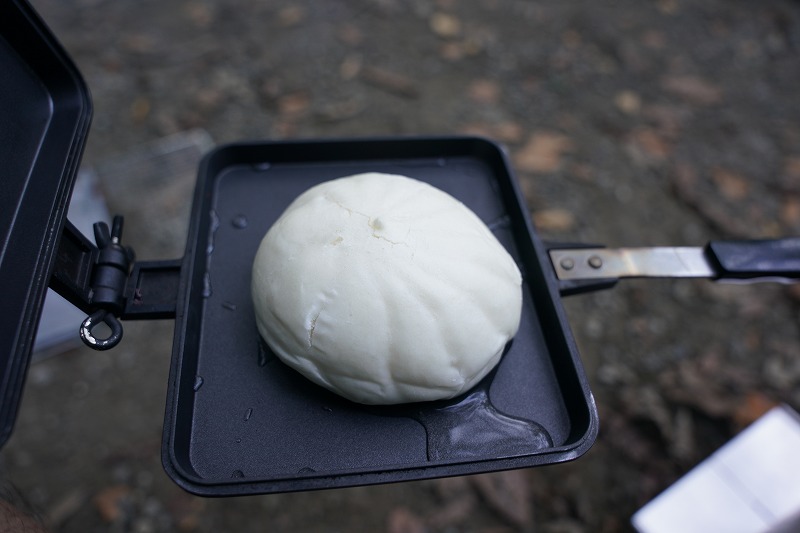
627,122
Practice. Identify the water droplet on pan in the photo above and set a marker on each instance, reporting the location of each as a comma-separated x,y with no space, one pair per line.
212,230
237,474
239,222
248,414
207,292
470,426
198,382
230,306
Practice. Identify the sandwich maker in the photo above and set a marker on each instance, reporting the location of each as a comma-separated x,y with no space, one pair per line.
237,420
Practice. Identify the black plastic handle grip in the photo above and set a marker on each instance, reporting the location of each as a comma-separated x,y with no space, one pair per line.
772,258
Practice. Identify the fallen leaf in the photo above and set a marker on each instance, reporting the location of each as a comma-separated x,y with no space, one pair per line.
403,520
350,34
208,98
570,525
650,143
507,132
484,91
543,152
445,25
481,129
623,433
271,89
684,179
690,189
791,167
508,493
793,291
555,220
109,502
668,7
65,507
646,402
667,119
200,14
571,39
730,184
628,102
391,82
189,523
139,43
452,51
187,512
283,129
350,67
582,171
452,513
705,384
457,501
294,103
693,89
654,39
140,109
450,488
790,212
340,110
752,407
291,16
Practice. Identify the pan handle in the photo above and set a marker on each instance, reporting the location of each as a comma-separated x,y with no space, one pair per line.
585,268
752,259
570,287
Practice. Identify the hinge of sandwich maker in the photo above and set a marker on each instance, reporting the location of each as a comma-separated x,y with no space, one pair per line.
104,280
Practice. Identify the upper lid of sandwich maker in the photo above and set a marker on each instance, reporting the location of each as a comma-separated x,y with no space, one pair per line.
45,110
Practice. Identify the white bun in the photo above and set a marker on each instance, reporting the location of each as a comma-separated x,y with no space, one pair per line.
385,290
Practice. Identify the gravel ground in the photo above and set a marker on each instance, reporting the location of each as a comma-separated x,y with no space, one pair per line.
661,122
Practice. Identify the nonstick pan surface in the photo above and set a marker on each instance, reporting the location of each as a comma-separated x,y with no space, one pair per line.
238,421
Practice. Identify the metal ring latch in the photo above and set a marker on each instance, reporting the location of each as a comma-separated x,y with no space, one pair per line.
92,321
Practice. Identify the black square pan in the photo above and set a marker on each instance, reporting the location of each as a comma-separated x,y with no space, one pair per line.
240,422
45,111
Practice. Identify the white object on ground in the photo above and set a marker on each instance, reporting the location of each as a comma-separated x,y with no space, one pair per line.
750,485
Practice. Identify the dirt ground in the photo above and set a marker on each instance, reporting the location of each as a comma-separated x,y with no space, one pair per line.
628,122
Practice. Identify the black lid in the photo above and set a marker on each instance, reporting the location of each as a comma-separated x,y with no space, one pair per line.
45,110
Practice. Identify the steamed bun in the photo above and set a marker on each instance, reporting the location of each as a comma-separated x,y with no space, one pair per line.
385,290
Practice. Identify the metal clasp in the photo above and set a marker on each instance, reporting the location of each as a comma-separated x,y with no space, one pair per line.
93,320
109,279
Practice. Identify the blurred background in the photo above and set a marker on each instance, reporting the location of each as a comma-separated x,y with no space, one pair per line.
627,122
